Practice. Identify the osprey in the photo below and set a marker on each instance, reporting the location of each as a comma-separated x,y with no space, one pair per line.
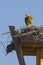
28,20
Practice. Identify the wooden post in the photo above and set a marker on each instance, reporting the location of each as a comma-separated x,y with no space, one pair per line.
17,45
39,57
41,60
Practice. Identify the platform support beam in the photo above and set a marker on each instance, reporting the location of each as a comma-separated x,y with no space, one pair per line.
19,52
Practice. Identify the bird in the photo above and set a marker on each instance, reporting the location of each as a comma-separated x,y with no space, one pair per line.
28,20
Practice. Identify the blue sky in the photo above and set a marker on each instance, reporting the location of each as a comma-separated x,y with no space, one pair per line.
12,12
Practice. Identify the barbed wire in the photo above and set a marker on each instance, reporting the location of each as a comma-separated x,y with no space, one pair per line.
2,44
8,41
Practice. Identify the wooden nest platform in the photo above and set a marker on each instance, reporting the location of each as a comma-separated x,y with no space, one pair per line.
30,39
